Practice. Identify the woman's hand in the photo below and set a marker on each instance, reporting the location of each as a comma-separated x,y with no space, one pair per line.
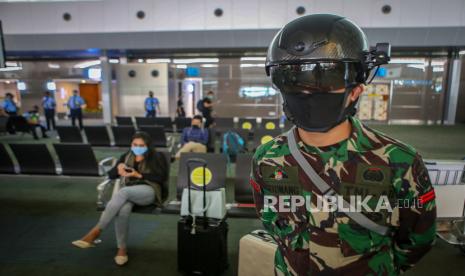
134,173
121,169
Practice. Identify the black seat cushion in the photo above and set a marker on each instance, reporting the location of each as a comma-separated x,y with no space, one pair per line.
166,122
123,135
20,124
34,158
77,159
145,121
242,190
157,133
216,164
97,135
6,164
181,123
69,134
123,121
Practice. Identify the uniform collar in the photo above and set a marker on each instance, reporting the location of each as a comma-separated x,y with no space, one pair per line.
361,139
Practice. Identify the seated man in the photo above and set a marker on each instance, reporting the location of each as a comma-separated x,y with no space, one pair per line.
32,118
194,138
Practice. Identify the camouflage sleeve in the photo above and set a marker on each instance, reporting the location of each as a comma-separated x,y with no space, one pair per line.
417,216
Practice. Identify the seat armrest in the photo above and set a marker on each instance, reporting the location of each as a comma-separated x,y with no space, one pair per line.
106,164
103,190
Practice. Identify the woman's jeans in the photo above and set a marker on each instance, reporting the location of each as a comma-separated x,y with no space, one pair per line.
120,206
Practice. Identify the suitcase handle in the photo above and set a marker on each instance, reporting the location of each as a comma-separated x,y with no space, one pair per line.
202,162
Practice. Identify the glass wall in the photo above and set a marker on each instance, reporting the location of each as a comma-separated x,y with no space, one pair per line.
408,90
240,85
28,80
416,89
411,89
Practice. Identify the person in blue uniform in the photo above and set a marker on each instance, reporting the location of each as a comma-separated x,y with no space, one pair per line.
75,105
9,106
152,105
49,104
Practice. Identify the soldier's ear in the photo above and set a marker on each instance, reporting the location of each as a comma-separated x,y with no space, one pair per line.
355,93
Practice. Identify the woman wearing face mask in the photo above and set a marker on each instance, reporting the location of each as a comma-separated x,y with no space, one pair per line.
142,170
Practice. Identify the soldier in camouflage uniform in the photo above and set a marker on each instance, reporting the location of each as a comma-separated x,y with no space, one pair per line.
353,160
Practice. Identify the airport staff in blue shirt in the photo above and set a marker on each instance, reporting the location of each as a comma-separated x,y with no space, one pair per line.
9,106
49,104
75,105
194,138
152,105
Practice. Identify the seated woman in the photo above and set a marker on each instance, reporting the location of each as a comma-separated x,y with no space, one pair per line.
142,171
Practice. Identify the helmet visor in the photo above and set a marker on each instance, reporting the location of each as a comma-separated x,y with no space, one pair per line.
314,77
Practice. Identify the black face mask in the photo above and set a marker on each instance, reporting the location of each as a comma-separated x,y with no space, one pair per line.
307,92
317,112
195,127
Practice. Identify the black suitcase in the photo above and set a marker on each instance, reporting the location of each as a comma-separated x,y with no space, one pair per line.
202,248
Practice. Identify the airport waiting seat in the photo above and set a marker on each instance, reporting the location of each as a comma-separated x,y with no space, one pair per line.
181,123
216,173
166,122
211,141
269,124
3,121
20,124
33,158
157,133
242,188
69,134
249,124
123,135
77,159
223,123
124,121
262,136
243,195
97,136
216,164
6,163
144,121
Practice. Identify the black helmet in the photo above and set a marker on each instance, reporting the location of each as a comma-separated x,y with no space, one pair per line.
317,37
320,53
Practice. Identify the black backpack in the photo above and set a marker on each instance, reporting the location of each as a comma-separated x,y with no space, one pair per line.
200,106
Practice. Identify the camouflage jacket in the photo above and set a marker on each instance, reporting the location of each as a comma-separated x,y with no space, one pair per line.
330,243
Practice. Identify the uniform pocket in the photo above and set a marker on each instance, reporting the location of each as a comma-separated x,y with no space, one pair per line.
356,240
